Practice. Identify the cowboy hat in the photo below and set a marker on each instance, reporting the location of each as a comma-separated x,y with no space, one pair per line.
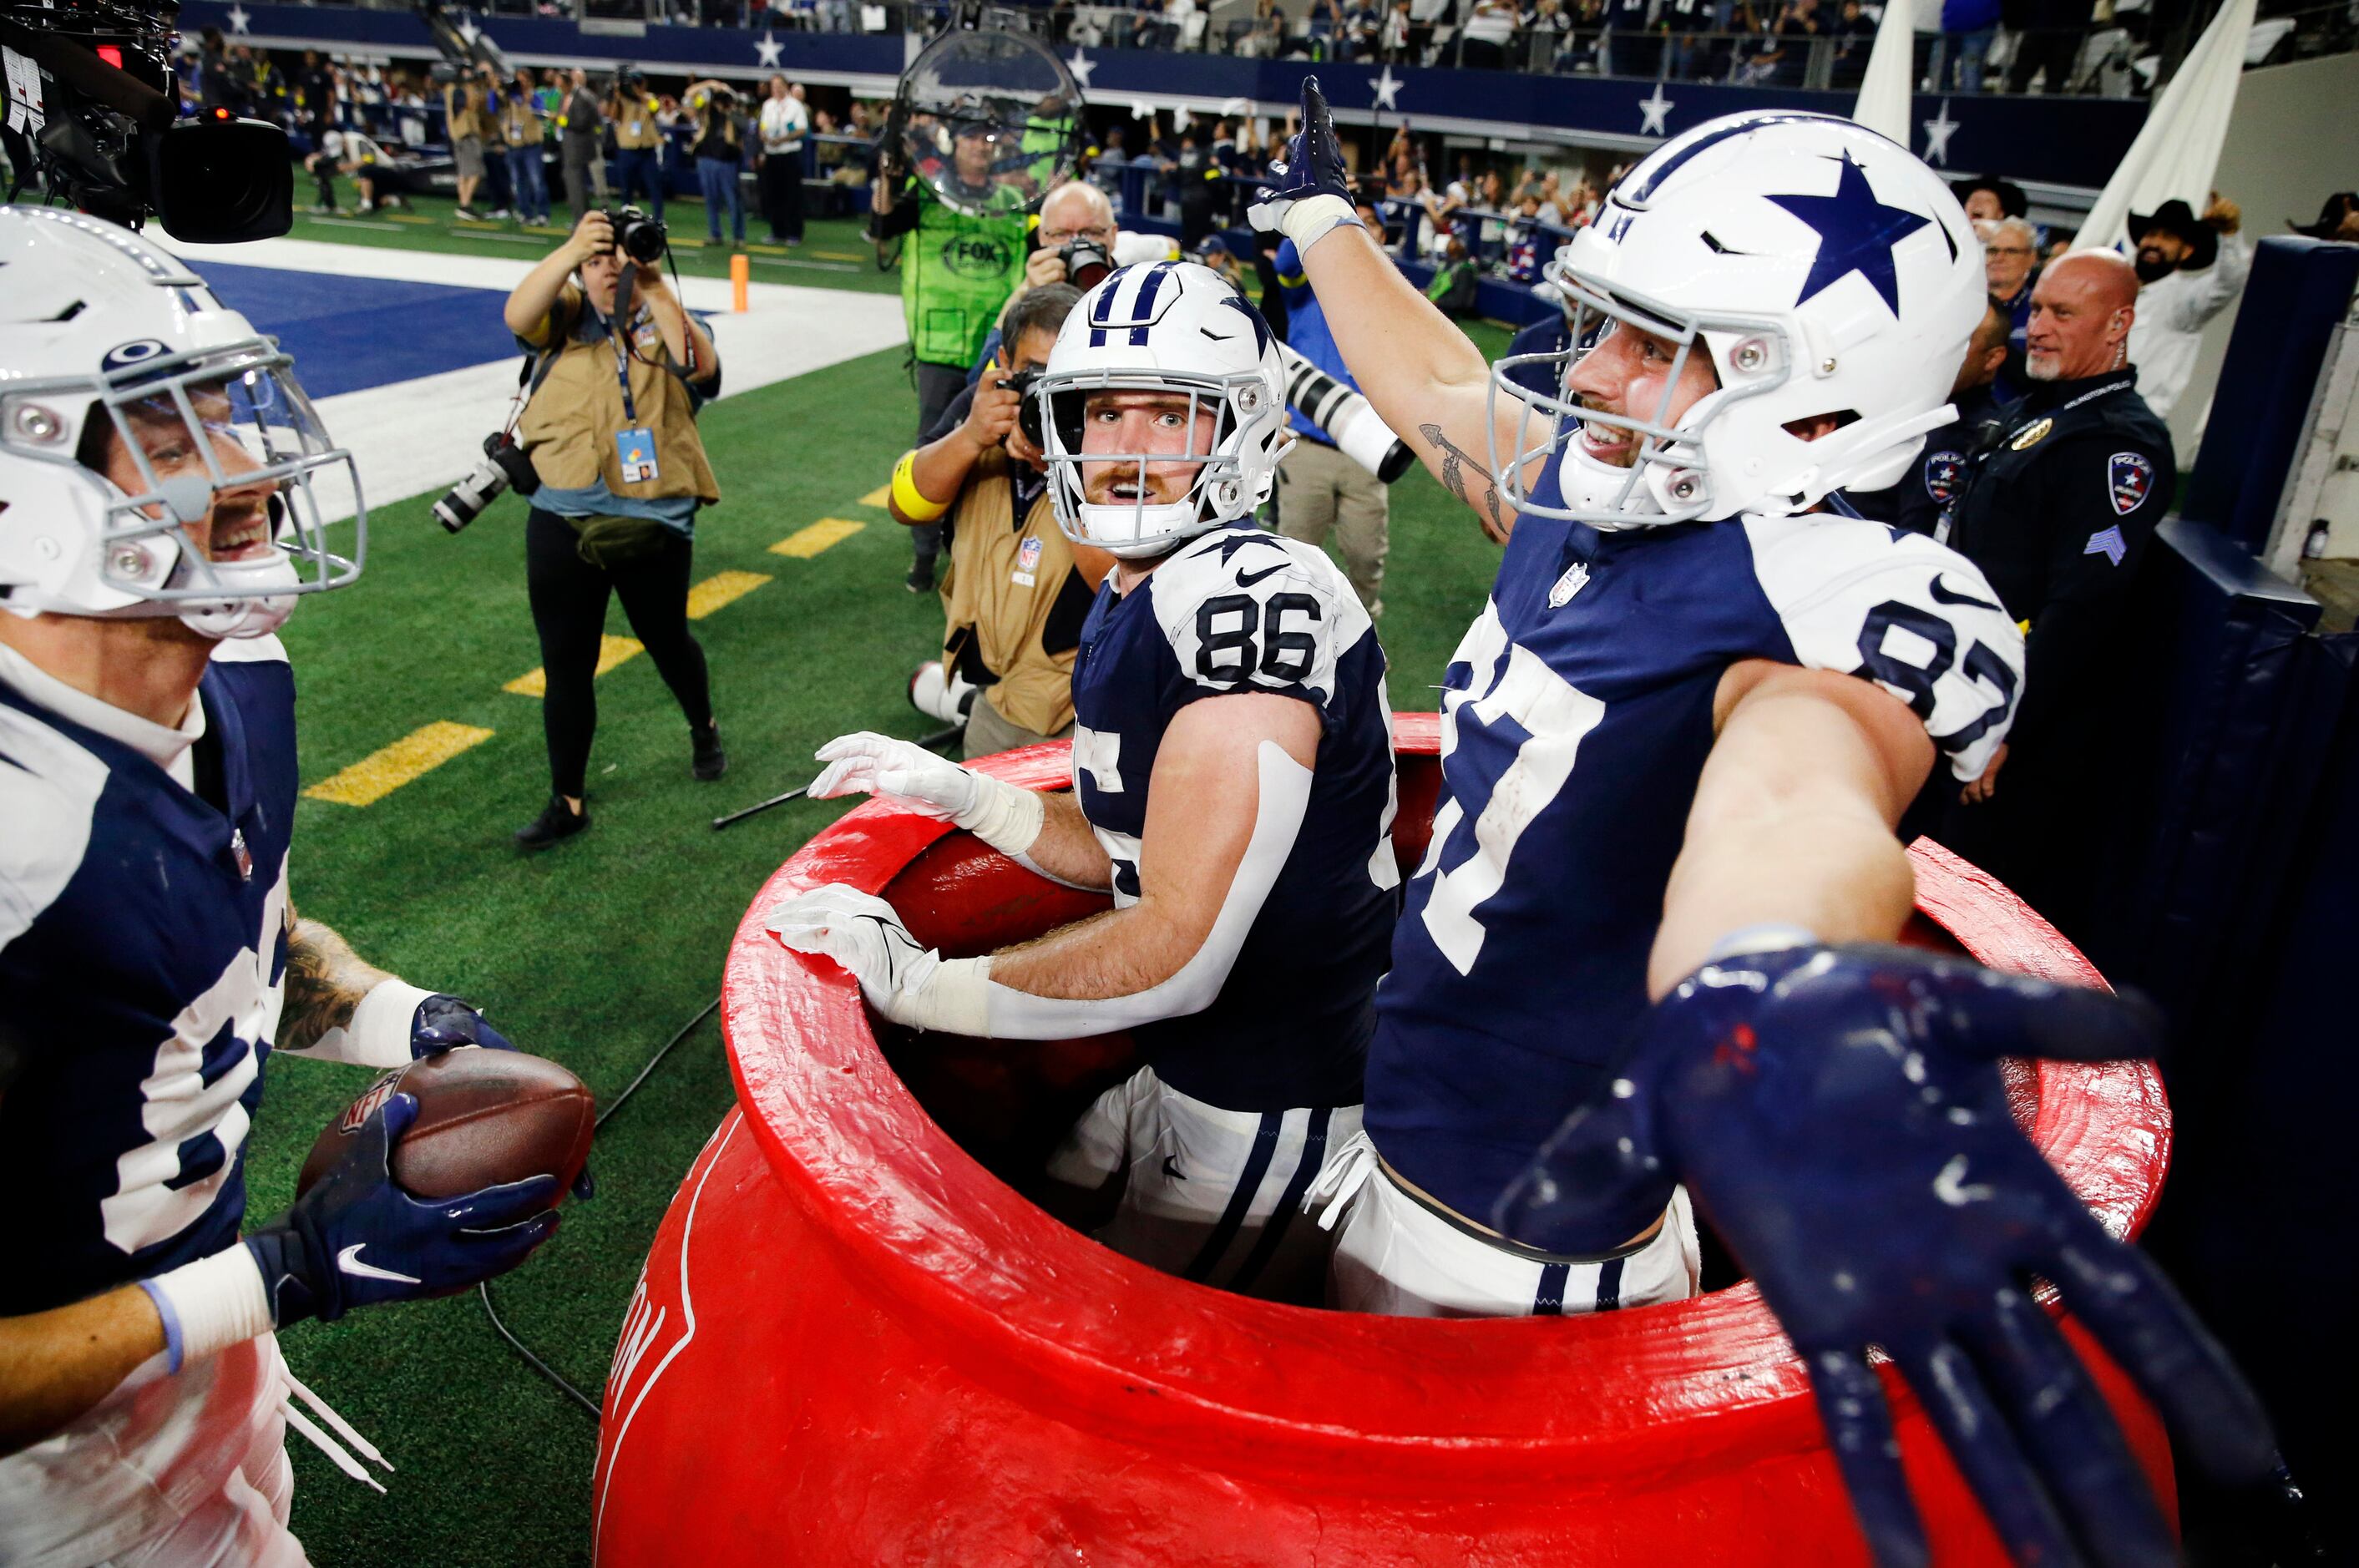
2175,217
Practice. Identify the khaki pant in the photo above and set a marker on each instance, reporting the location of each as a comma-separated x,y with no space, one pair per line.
1320,492
989,732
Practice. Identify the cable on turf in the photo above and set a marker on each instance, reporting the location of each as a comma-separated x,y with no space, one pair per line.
484,1290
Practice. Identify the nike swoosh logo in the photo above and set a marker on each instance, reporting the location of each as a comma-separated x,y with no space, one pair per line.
1247,579
1216,337
349,1260
1171,1168
1944,595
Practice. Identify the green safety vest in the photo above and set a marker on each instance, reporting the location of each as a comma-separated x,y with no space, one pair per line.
956,272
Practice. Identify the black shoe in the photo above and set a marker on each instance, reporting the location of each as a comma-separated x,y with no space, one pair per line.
920,579
710,762
556,821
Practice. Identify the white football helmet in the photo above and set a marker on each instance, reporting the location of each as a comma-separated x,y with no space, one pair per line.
1165,326
101,331
1824,270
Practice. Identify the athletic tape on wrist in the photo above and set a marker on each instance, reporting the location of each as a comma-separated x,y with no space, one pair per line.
955,998
1766,936
907,497
1004,816
378,1035
210,1304
1313,218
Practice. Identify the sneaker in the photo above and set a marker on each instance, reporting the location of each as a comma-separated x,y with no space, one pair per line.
464,216
499,215
556,821
794,240
920,579
708,761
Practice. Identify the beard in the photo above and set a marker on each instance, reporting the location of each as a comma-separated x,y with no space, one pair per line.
2152,267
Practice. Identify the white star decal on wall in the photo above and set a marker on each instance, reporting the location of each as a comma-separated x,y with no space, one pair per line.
1937,131
769,49
1387,89
1651,112
1082,65
239,19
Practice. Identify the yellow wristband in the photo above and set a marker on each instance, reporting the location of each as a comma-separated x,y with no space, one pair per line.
907,498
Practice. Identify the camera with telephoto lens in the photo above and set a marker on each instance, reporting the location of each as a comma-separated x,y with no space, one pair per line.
637,236
505,467
1086,264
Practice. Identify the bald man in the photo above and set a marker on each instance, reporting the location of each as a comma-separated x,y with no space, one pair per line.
2058,514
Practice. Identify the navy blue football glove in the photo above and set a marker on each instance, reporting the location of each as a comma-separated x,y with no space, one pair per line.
356,1240
1839,1115
444,1023
1312,167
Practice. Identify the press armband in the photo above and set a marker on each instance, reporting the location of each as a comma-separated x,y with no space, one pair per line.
210,1304
906,499
378,1035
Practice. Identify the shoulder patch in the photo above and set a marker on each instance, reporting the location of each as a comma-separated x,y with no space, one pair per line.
1944,472
2129,480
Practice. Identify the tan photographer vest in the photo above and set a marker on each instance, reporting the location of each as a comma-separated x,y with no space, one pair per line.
569,427
1003,588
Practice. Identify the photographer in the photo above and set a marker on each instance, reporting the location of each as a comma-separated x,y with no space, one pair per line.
720,150
638,140
1018,591
611,432
469,123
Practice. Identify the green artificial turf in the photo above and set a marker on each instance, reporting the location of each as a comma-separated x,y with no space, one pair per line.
595,952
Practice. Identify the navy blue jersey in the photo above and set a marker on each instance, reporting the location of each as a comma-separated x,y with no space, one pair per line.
1244,610
1577,715
143,950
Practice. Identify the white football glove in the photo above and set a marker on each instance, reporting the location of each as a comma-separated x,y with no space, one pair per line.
907,983
1003,816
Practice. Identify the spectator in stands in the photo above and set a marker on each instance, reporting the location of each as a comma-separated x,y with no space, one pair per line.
719,153
1988,199
638,141
1215,254
1691,51
2189,270
1628,47
2338,219
2048,37
520,126
1454,285
580,124
784,123
1546,28
1489,27
1854,36
1363,22
2058,512
464,113
1786,62
1392,41
2010,246
1967,29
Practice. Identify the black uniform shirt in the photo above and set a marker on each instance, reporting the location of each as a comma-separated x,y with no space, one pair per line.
2058,514
1922,499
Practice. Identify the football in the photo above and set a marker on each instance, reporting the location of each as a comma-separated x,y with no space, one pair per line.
484,1119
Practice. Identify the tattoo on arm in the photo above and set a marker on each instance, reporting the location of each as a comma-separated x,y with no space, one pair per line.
1454,464
325,981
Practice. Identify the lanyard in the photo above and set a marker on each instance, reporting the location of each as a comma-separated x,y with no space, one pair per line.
616,327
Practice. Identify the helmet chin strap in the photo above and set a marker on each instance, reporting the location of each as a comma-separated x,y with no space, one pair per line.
1153,531
255,611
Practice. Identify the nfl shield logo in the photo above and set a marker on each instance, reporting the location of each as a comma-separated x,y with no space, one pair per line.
243,855
1575,578
2129,478
1027,555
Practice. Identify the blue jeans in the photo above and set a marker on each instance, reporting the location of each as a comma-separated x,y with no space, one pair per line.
531,181
638,168
719,181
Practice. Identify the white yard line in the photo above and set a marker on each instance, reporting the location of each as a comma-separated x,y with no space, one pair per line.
413,438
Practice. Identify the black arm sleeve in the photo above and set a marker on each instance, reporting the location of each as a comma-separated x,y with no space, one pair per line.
899,220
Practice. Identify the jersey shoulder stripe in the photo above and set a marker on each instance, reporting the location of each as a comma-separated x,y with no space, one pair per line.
1859,598
50,786
1243,609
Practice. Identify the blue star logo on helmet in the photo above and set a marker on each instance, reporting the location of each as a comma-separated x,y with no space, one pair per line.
1856,234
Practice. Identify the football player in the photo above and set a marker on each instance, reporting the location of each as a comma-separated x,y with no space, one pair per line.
1674,747
1232,787
156,526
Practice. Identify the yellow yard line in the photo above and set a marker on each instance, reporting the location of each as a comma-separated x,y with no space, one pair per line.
722,588
612,651
879,496
804,543
377,776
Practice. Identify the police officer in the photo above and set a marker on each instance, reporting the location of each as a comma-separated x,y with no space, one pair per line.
1923,500
2058,515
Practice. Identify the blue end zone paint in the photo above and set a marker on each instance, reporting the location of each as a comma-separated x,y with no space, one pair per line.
349,334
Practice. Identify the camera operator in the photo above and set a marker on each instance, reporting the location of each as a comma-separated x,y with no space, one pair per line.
611,432
638,140
720,150
1017,590
470,123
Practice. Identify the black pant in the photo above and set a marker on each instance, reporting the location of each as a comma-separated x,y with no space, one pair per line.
937,386
568,611
782,194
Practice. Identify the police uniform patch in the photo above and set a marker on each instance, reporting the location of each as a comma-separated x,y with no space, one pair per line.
1943,472
2031,435
2129,479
